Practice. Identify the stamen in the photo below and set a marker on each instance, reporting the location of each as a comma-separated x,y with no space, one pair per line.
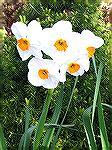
23,44
91,51
73,67
43,74
61,45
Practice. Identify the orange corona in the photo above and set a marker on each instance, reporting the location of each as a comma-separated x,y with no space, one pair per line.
61,45
73,67
23,44
91,51
43,74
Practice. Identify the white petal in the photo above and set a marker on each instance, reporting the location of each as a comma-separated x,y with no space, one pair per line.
35,51
51,83
34,78
34,31
87,34
80,72
34,25
52,67
35,63
47,39
62,74
98,42
62,26
84,63
91,40
24,54
62,77
59,57
19,29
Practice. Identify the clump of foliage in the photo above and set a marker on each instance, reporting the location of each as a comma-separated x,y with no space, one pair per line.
16,88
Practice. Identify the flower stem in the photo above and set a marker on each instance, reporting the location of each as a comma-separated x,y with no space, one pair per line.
59,129
40,127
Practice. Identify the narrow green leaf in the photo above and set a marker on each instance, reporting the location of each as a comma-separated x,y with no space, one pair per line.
97,90
27,117
56,125
103,132
89,129
55,117
21,142
28,137
107,105
40,127
59,129
2,140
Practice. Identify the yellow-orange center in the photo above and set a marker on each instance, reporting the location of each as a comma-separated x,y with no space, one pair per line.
91,51
61,45
23,44
73,67
43,74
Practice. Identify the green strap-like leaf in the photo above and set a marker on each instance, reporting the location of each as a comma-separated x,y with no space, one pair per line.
55,117
28,137
103,132
27,117
40,127
24,142
107,105
57,126
89,129
2,140
21,142
97,90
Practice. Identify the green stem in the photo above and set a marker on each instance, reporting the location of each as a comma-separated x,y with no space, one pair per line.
40,127
55,117
97,90
59,129
94,64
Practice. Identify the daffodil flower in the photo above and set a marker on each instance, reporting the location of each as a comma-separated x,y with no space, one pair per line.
43,72
59,41
76,67
28,39
91,42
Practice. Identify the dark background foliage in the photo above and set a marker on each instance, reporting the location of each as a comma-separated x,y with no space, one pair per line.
15,87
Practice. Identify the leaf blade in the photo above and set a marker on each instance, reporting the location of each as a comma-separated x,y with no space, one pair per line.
89,129
2,140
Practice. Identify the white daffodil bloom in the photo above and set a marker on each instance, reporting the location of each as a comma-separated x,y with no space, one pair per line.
28,39
91,42
76,67
59,42
43,72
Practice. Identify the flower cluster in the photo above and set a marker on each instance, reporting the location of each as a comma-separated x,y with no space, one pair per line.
68,51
